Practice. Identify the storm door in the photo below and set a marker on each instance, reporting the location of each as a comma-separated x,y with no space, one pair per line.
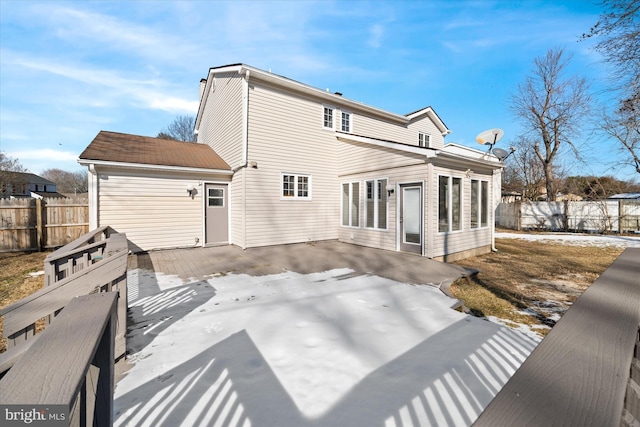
410,218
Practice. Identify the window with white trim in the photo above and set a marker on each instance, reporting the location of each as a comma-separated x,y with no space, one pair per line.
346,122
479,203
215,198
327,117
351,204
376,206
449,203
424,140
296,186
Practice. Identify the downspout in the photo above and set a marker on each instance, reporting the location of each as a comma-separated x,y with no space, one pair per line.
245,150
497,189
93,197
245,120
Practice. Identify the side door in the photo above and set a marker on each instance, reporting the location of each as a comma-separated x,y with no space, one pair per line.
216,213
410,218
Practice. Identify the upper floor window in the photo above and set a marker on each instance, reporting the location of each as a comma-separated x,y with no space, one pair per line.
449,203
424,139
296,186
346,122
327,120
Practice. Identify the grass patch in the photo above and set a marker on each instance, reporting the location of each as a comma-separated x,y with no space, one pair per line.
531,282
16,283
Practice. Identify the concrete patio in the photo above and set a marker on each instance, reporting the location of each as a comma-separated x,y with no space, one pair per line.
304,258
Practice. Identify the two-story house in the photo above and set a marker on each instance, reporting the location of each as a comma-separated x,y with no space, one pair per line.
26,184
288,163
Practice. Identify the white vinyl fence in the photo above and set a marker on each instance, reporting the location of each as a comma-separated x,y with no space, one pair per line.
602,216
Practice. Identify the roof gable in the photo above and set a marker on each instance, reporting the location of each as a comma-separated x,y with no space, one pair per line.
126,148
25,177
323,95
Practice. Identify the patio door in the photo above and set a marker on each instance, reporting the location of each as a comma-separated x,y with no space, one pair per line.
410,218
216,213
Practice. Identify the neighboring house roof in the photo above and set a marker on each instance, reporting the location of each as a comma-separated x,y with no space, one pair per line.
49,194
114,147
625,196
331,98
25,177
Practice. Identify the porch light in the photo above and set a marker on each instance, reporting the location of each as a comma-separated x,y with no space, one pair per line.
390,190
191,190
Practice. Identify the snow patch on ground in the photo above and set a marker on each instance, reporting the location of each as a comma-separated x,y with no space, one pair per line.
576,239
322,349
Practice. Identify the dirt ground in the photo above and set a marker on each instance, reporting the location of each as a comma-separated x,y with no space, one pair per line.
531,282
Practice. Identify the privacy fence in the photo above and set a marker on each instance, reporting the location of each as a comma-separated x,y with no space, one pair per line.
602,216
35,224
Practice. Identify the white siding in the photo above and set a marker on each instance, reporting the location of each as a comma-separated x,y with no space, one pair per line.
286,135
445,243
221,123
404,134
236,233
384,239
154,211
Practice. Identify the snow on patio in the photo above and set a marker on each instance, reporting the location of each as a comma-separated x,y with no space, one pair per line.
324,349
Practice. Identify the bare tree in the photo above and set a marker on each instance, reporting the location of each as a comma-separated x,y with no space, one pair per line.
523,171
67,182
181,129
618,35
618,41
624,128
552,108
10,164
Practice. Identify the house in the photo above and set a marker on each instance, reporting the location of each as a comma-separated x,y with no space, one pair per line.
278,161
24,184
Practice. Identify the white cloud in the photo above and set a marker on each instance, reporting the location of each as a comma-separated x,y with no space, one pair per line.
112,33
376,32
150,93
44,154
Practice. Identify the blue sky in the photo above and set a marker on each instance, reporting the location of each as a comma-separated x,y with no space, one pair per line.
71,69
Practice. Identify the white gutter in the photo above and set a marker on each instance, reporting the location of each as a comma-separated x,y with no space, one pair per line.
93,163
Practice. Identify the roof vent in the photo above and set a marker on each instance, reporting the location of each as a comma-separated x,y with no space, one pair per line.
338,93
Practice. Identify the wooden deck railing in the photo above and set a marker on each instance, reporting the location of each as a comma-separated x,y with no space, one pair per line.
70,365
586,372
95,262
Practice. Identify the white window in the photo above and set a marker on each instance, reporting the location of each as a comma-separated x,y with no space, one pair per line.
449,203
327,119
351,204
479,203
346,123
296,186
376,204
215,198
424,140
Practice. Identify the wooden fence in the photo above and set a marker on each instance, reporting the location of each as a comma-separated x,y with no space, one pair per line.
586,372
29,224
71,365
93,263
619,216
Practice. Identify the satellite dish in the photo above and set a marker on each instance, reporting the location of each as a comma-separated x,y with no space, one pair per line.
500,153
489,137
